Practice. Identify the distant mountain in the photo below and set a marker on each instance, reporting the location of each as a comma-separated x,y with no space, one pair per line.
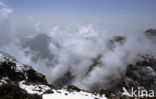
150,32
40,45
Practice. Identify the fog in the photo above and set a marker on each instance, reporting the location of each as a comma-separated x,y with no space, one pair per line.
90,54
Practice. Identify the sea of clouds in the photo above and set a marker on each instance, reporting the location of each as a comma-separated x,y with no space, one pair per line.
92,56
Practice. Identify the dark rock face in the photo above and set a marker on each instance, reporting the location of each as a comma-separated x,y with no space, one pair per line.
151,35
7,69
66,79
13,91
73,88
140,75
11,70
150,32
11,73
120,40
35,77
95,62
145,76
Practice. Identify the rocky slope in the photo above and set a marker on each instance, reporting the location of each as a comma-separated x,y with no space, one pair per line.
11,70
140,76
20,81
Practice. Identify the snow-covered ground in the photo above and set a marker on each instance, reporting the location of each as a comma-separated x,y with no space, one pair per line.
58,93
63,94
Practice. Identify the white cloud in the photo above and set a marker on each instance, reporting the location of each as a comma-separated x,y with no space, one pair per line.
2,4
4,10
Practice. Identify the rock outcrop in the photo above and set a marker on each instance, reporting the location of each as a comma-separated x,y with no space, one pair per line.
139,76
11,70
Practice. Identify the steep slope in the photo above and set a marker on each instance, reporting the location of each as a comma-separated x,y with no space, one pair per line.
140,76
19,81
11,70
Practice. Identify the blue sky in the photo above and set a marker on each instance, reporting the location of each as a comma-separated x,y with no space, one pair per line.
114,15
94,7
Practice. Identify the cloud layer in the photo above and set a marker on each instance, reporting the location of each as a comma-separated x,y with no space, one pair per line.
83,54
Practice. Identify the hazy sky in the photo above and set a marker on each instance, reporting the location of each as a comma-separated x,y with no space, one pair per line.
112,14
94,7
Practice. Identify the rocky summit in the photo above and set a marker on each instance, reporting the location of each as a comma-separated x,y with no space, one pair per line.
11,70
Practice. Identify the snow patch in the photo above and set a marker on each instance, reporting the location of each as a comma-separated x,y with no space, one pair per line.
6,57
34,89
3,80
58,93
63,94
